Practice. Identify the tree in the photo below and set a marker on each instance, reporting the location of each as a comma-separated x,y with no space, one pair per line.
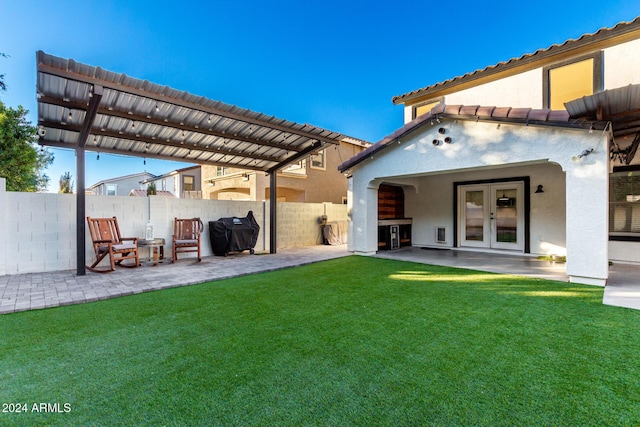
66,185
21,163
151,189
3,85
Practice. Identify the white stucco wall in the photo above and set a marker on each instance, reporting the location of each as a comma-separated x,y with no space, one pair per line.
482,149
621,64
431,207
525,90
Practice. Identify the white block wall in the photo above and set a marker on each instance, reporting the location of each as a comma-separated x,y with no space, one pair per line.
39,229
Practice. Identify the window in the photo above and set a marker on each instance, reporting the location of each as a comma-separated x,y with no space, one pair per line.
188,183
624,204
317,160
112,189
425,107
220,171
572,80
164,185
299,168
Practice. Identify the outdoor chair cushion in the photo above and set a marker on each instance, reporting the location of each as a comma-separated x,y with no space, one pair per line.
187,242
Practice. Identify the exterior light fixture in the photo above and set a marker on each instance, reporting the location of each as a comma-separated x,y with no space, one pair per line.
581,155
448,140
436,142
442,131
539,190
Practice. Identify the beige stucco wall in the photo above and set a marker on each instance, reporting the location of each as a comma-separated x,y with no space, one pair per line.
315,186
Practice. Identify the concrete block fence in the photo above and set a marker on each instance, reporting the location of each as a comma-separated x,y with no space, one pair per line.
38,230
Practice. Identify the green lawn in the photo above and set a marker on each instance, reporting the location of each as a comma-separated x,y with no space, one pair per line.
352,341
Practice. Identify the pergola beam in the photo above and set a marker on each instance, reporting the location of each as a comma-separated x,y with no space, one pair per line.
307,151
158,143
71,105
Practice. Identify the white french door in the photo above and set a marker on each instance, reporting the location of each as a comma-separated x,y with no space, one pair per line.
492,215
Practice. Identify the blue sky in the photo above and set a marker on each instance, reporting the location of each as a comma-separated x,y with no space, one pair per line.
333,64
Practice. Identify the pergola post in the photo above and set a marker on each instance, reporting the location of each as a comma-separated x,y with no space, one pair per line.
273,211
89,118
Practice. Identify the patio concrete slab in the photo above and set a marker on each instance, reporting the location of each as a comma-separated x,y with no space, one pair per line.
32,291
622,290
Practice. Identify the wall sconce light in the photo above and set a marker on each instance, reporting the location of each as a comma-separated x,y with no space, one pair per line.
540,190
212,183
585,153
436,142
245,177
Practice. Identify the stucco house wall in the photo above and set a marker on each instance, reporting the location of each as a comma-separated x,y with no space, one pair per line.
124,184
430,205
313,185
525,89
481,149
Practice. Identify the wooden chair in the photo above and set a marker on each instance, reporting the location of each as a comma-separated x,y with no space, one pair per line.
186,236
105,235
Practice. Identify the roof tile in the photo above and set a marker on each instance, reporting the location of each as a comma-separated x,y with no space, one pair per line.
469,110
519,113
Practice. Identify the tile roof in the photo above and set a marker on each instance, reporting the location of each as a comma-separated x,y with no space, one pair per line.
143,193
525,116
556,49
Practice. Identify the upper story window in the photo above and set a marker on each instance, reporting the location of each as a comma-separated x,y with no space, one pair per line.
572,80
112,189
188,183
221,170
425,107
318,160
299,168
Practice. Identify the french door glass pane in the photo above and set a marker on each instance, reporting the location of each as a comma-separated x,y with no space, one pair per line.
474,215
506,216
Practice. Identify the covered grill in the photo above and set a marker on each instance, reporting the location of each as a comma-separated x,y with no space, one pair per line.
233,234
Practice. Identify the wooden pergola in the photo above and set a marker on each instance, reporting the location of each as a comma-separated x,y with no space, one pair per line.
86,108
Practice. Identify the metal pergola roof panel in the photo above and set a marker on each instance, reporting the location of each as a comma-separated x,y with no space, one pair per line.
82,107
139,118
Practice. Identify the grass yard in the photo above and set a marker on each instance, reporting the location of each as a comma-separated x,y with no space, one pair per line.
352,341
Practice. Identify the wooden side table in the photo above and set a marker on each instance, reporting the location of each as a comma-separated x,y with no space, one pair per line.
156,249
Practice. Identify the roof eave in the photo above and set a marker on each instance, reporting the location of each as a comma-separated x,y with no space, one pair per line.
630,30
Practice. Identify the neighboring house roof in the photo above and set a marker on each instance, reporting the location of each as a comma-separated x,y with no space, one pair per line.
619,30
524,116
143,193
172,173
356,141
142,175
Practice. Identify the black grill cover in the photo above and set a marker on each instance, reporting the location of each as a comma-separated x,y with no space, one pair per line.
233,234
